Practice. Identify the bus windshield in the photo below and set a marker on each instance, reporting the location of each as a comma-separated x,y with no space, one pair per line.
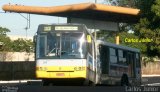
61,45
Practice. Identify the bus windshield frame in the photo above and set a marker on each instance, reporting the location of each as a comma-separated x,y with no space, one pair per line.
61,45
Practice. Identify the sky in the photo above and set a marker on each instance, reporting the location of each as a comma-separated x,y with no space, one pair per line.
16,23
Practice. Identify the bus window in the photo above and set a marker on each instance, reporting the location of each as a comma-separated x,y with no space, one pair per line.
138,67
131,64
137,60
122,57
61,45
104,58
113,57
89,47
41,45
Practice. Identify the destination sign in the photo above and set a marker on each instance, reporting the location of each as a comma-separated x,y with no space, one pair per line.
47,28
66,28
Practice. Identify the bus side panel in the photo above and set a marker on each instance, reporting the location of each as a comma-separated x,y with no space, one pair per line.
90,71
137,70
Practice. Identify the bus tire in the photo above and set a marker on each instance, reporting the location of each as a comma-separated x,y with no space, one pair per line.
85,82
91,83
124,80
45,83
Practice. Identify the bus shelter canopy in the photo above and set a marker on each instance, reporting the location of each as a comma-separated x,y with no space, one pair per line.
83,10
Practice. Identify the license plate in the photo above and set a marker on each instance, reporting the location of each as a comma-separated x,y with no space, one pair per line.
59,74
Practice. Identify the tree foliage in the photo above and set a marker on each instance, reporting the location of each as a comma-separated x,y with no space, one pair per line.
5,41
149,26
19,45
127,3
110,37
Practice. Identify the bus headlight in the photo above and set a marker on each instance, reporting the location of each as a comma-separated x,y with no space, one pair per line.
41,68
79,68
45,69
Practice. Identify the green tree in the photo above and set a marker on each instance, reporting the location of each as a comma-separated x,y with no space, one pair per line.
149,26
110,37
127,3
4,31
5,41
29,46
21,45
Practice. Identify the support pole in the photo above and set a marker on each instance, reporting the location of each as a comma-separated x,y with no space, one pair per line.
95,1
117,38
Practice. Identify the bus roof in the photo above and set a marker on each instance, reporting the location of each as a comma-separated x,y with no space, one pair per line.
117,46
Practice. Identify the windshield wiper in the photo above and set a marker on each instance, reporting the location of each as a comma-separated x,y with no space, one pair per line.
51,50
72,54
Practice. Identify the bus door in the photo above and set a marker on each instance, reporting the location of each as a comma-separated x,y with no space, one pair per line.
104,59
131,64
137,66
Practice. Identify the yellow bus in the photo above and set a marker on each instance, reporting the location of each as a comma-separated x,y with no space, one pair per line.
68,53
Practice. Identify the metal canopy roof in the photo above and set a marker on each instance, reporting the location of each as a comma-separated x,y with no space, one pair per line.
84,10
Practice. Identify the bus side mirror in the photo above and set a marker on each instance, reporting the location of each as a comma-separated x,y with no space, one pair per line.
88,38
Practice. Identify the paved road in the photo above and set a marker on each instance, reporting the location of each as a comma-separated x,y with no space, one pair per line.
61,89
36,86
147,80
151,80
21,83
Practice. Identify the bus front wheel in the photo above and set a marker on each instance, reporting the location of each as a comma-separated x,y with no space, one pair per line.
45,82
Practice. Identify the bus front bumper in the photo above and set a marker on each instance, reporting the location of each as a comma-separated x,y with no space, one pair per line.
59,74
